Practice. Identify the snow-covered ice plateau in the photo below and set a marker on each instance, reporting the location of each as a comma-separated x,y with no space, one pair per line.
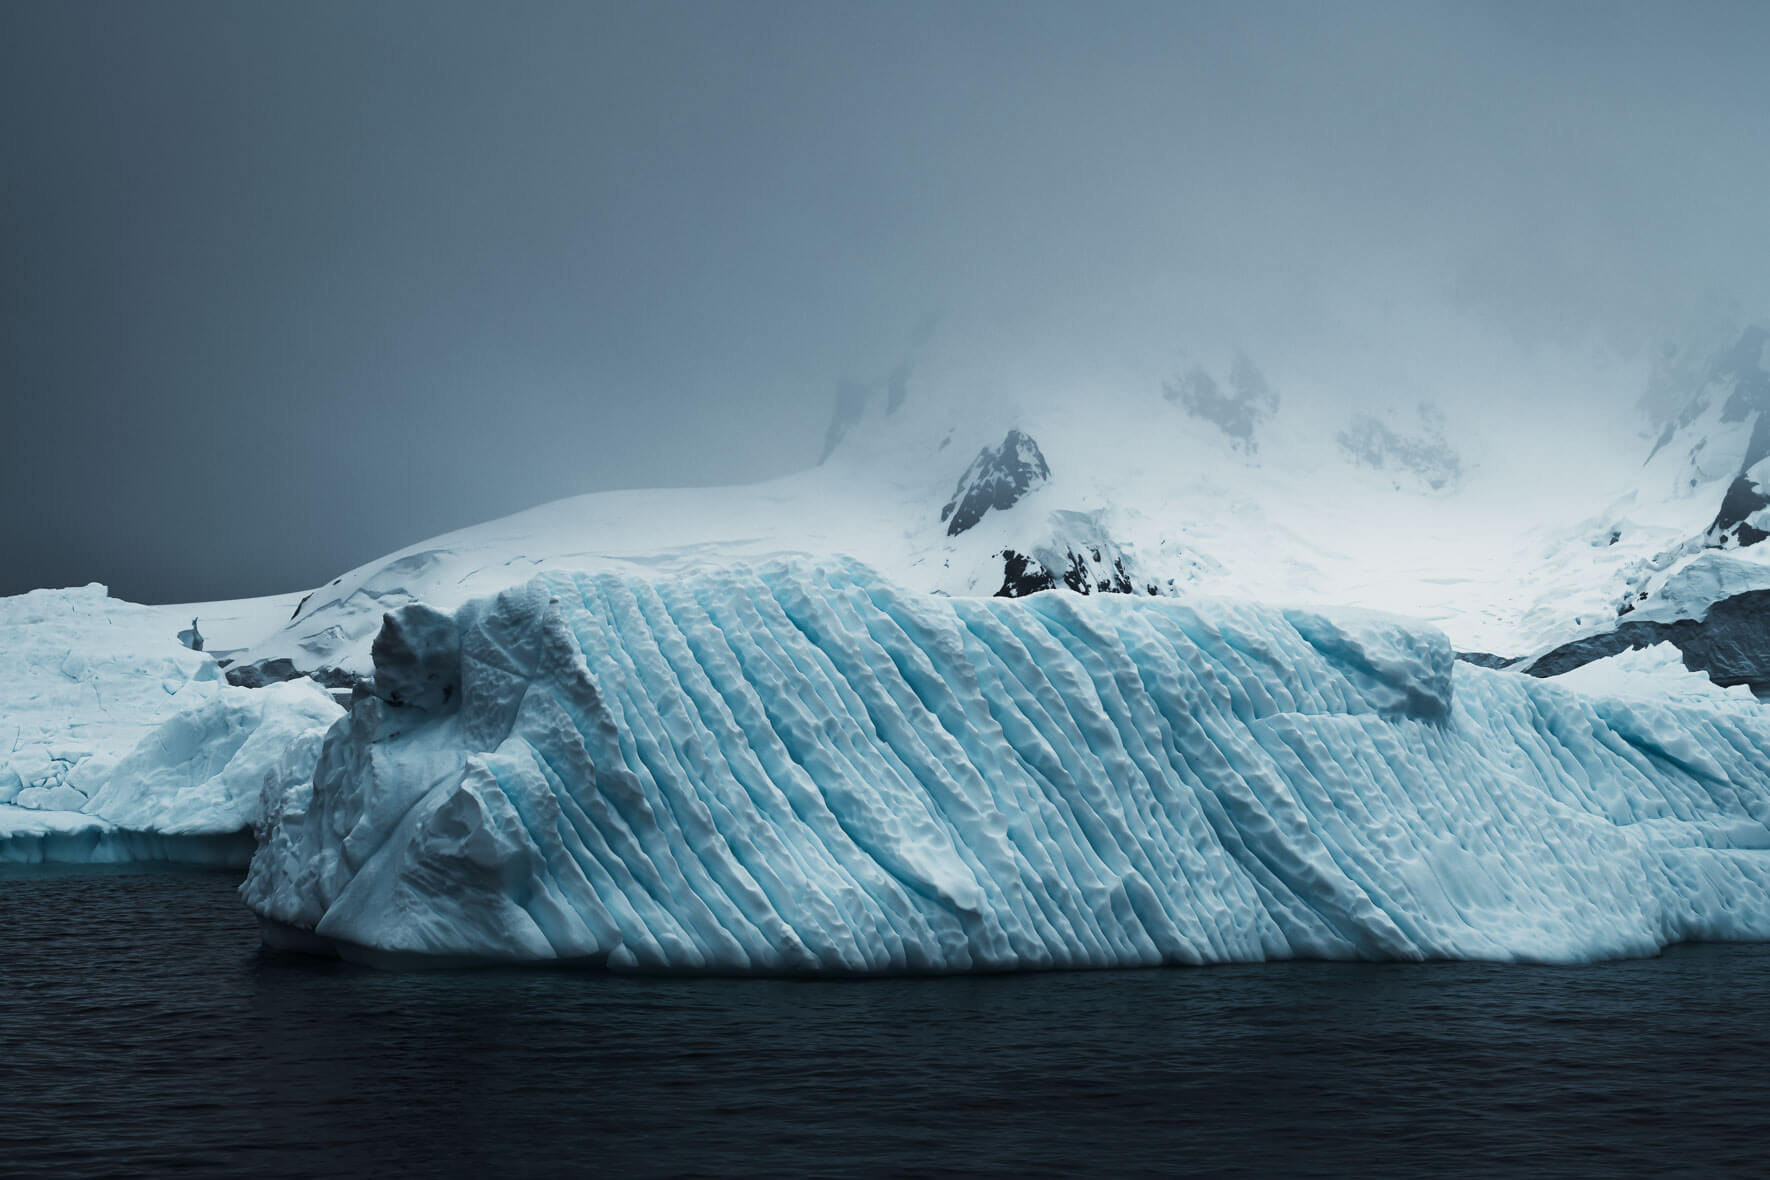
121,744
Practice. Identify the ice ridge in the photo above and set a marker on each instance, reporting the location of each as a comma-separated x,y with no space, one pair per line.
802,768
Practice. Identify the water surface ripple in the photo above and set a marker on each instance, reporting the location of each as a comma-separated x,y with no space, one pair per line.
143,1029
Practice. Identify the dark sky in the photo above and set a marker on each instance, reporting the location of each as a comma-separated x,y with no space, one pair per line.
286,286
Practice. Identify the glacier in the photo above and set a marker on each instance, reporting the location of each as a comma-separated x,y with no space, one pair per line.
124,745
798,767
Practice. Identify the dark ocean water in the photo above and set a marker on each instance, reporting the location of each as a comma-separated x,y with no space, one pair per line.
143,1030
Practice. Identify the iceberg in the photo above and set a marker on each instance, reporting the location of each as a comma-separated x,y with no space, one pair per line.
126,744
798,767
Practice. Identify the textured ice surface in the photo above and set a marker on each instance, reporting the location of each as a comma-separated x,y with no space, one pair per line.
119,743
1652,673
202,770
804,768
83,676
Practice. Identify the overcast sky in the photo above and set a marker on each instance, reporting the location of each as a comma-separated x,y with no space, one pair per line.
286,286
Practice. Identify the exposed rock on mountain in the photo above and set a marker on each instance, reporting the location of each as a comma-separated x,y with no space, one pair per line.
1422,457
1731,643
1023,575
1238,413
1744,371
1486,659
1733,527
1077,552
1723,432
1089,573
998,478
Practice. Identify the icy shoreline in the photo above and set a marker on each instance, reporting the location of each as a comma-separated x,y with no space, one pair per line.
74,838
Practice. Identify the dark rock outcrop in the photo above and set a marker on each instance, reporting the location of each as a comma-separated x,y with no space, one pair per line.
1731,643
1742,367
1091,575
263,672
417,658
1023,575
1742,371
997,479
1085,573
1732,526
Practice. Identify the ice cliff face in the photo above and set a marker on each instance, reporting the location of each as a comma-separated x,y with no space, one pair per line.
799,767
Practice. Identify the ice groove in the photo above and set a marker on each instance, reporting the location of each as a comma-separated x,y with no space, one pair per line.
800,767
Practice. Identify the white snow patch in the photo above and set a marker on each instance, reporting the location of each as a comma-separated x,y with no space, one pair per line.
1655,673
115,739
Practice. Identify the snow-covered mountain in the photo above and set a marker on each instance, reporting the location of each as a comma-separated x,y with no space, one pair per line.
1683,549
1510,534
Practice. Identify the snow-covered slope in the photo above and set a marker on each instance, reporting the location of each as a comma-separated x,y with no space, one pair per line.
805,768
1512,528
1680,551
1213,484
85,676
1653,673
120,743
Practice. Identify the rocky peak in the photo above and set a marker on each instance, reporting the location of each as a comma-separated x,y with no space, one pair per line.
998,478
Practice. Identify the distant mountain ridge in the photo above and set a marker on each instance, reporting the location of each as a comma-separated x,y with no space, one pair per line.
1213,484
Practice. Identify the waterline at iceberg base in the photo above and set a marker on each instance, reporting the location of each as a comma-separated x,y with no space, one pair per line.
800,768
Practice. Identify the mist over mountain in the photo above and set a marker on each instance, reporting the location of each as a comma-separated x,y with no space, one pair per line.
384,271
